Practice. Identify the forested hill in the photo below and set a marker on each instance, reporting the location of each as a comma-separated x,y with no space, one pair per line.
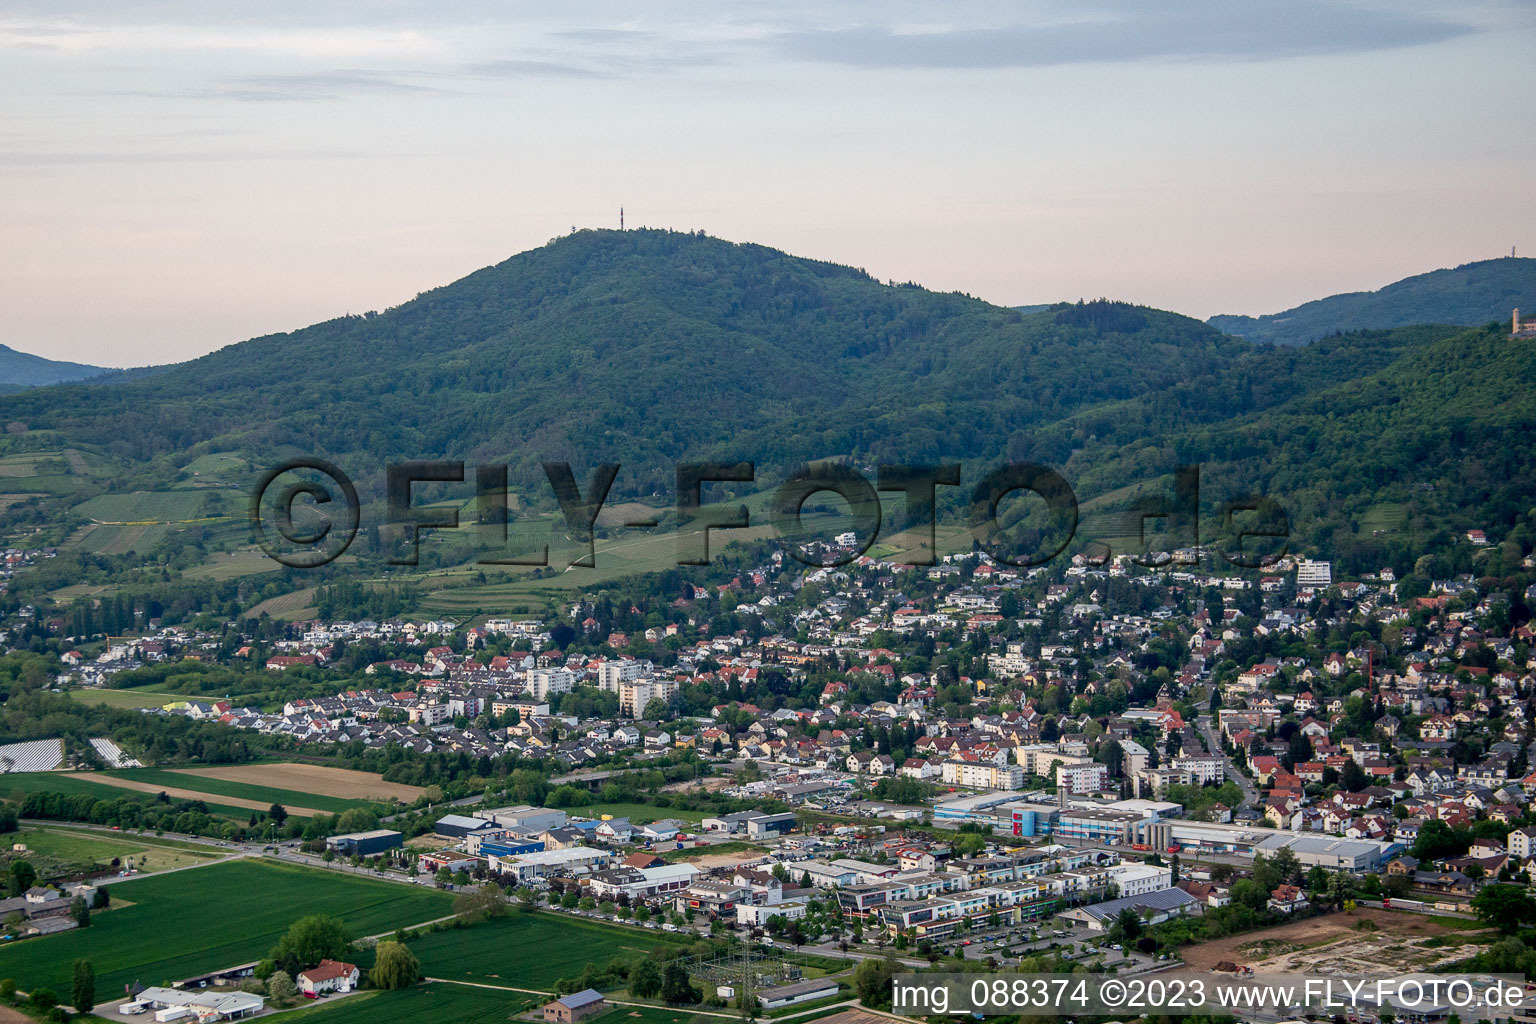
1471,295
24,370
1379,469
645,347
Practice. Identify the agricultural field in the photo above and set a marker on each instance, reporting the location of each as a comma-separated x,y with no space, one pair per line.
296,605
187,780
55,852
226,565
49,472
119,540
189,922
220,467
530,949
240,806
446,1003
144,506
339,783
88,783
304,789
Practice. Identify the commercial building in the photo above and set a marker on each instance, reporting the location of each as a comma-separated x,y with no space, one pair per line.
175,1004
1152,907
756,915
641,883
1358,855
527,867
457,826
1098,824
766,825
365,844
532,819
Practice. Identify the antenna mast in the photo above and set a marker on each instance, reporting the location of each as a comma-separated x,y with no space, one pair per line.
621,218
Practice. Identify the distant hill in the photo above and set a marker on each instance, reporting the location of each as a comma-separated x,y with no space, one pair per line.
1470,295
24,370
645,347
648,348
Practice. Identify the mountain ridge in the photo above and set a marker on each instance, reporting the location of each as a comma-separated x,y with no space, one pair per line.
25,370
1468,295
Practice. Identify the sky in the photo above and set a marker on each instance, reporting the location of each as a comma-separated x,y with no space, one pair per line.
176,177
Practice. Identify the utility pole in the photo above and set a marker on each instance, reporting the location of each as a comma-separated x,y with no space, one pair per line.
744,996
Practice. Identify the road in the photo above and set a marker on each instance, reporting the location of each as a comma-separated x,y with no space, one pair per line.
1213,743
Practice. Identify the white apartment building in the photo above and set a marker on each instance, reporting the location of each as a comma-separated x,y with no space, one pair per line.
1204,769
1082,778
544,682
1136,879
983,775
635,694
1314,574
614,673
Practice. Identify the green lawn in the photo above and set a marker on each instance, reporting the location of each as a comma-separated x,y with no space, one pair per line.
530,950
640,814
243,790
64,851
140,698
188,922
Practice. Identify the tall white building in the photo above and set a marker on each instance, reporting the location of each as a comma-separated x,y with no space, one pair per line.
635,694
612,674
542,682
1314,574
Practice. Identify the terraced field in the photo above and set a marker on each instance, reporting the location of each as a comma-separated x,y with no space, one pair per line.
143,506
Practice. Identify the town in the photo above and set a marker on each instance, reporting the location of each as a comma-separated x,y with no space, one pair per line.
1099,764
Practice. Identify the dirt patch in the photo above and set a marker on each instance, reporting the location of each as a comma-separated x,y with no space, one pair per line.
1332,942
10,1016
342,783
189,794
723,860
713,784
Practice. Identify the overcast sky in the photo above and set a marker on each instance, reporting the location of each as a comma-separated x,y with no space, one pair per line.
174,179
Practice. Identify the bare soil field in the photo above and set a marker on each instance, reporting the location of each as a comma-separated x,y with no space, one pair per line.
1332,943
312,778
713,784
706,861
188,794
